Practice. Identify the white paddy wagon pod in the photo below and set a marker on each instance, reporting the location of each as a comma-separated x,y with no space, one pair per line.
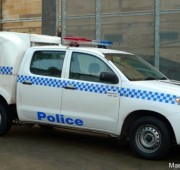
88,88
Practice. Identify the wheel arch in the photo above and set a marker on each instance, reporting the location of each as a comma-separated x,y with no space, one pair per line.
140,113
5,96
10,108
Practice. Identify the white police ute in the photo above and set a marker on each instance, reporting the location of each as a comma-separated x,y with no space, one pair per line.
89,88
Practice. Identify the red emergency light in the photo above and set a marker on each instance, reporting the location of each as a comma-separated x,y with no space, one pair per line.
76,41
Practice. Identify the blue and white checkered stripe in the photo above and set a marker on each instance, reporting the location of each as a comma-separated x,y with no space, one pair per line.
148,95
58,83
100,88
92,87
41,81
6,70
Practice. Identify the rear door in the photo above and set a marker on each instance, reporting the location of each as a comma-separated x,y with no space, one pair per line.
39,85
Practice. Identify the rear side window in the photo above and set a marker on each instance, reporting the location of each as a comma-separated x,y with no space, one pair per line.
47,63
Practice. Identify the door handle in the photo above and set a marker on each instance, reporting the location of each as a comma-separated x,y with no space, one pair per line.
70,87
27,82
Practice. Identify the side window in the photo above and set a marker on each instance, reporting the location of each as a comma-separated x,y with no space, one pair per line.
47,63
87,67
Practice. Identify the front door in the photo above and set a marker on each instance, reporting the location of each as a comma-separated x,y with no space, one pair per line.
85,98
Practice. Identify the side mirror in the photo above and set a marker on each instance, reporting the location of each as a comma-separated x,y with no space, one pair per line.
108,77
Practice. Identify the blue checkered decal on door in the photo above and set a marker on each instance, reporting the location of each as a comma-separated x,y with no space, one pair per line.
100,88
6,70
50,82
92,87
58,83
148,95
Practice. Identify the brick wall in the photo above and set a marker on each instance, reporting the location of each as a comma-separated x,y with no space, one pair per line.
14,10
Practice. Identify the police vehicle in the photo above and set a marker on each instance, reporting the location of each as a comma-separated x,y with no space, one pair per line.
88,88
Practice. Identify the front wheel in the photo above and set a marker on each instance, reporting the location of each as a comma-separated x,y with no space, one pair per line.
5,120
149,138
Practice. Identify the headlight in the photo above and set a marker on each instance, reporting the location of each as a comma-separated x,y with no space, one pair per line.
178,100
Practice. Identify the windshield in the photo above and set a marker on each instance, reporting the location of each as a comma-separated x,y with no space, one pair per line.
135,68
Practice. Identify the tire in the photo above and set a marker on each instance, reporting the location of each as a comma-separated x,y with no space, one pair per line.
5,120
149,138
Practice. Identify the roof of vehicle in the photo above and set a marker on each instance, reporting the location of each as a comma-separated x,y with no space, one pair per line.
84,49
28,39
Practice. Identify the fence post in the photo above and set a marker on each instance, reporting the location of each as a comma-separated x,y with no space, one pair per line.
63,19
98,19
50,17
157,9
0,15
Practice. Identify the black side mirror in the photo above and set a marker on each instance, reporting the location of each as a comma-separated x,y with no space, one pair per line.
109,77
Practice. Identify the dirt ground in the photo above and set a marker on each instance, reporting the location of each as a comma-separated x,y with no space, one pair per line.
25,148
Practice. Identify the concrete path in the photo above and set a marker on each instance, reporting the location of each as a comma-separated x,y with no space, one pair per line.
35,148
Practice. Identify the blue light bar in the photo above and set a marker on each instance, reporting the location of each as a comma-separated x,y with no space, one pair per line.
102,42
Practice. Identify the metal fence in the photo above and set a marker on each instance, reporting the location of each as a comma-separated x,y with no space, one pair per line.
148,28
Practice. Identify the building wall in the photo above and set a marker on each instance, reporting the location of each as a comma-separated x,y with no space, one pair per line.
128,23
22,9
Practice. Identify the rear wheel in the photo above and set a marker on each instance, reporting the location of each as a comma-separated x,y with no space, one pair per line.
149,138
5,120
